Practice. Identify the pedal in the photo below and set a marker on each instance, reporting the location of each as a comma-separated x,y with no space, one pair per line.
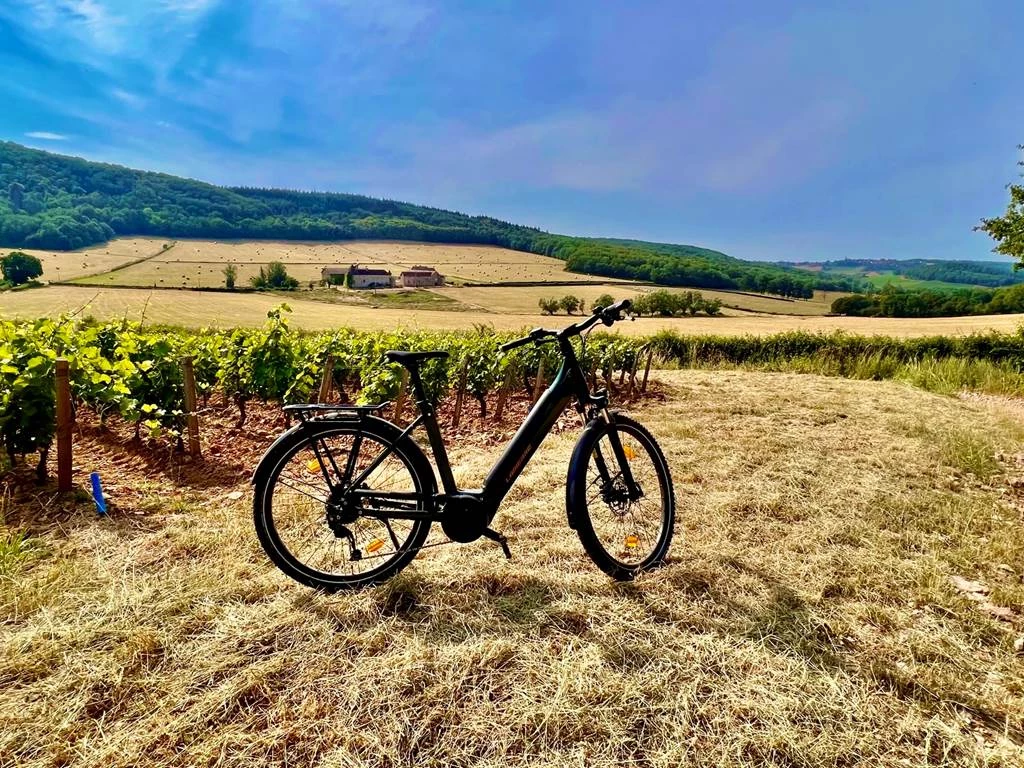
495,536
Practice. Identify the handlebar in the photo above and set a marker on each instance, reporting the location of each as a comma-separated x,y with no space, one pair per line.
536,336
607,315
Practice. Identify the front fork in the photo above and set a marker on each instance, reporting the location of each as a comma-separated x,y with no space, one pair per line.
633,490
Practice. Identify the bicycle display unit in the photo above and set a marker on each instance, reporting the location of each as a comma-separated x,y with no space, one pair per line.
346,498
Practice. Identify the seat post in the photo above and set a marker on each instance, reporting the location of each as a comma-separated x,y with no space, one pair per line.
437,447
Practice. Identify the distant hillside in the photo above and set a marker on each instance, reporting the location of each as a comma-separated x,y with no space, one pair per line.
989,274
52,201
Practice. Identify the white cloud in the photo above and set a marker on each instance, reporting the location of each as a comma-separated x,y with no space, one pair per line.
132,100
46,135
187,7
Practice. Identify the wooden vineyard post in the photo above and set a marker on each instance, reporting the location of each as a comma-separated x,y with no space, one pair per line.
499,407
64,425
402,392
647,370
189,376
538,384
326,380
460,394
632,376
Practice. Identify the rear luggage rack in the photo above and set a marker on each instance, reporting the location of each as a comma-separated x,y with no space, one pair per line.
327,411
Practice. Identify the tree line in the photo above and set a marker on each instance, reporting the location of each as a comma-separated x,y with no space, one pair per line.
893,301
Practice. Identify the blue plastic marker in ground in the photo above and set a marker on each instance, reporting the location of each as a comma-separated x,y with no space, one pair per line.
97,493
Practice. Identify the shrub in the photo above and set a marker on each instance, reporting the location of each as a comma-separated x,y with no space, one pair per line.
275,276
570,304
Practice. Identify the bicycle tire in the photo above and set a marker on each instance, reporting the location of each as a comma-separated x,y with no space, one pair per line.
266,485
582,507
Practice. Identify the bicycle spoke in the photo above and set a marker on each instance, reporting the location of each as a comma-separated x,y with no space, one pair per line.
302,495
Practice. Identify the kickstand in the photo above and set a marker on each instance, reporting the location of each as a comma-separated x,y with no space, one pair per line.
495,536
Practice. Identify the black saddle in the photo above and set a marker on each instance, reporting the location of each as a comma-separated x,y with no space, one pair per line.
412,359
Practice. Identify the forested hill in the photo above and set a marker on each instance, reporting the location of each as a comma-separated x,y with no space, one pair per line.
991,274
52,201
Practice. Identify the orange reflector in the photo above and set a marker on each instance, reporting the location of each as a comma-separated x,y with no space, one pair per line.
313,465
632,542
374,545
630,453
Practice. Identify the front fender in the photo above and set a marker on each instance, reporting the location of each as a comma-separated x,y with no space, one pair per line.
578,464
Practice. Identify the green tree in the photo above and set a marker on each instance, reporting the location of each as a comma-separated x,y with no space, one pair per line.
18,267
230,275
1008,230
569,303
549,306
275,277
602,301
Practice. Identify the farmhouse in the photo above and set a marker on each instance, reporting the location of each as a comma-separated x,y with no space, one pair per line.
358,277
420,275
333,275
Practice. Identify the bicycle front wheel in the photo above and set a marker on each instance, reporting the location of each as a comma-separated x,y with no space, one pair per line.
620,498
322,535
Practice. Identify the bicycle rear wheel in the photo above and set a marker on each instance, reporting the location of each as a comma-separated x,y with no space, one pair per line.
321,535
624,533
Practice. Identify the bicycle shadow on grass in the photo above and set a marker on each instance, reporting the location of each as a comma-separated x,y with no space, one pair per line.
487,603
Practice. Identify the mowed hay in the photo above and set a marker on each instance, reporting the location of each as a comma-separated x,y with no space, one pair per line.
97,260
806,617
196,309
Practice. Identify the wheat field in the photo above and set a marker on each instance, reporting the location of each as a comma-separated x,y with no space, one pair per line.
810,614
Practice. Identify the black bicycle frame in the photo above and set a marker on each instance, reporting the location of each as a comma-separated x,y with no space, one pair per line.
569,384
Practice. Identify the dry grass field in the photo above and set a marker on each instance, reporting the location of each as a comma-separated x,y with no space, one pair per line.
69,265
197,309
200,263
810,614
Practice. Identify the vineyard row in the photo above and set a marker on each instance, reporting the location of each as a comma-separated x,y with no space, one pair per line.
124,369
135,372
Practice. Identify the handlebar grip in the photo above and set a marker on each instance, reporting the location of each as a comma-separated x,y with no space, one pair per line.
613,312
510,345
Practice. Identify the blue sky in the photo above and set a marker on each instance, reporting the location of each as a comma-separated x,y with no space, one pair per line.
781,130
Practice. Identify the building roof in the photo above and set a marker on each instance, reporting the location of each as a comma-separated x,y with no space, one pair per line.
334,270
421,268
419,273
355,269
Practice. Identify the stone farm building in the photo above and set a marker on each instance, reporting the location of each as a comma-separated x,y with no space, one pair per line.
333,275
420,275
358,277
